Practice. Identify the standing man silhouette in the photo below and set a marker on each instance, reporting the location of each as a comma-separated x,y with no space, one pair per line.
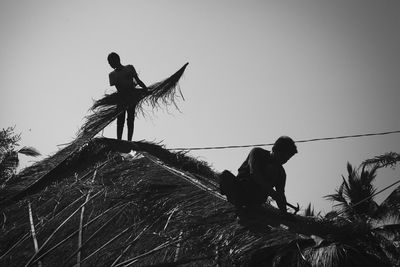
125,80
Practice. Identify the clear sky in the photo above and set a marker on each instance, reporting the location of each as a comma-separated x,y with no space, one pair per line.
257,70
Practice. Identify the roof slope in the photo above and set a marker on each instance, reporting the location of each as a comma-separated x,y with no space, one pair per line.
154,208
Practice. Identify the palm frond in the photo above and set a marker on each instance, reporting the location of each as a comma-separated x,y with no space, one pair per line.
389,210
105,109
336,254
338,198
368,176
389,159
29,151
345,188
10,160
309,211
8,140
165,92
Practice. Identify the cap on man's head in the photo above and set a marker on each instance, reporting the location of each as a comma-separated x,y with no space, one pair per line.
286,144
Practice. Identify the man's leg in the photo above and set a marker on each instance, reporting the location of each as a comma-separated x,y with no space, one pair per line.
227,186
130,121
120,124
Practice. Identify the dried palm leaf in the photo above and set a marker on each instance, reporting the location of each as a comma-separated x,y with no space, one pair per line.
105,109
29,151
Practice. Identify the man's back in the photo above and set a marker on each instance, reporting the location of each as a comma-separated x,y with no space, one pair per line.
256,154
261,160
261,175
123,78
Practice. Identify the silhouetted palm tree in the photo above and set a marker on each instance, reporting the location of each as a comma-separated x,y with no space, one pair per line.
9,159
389,210
354,197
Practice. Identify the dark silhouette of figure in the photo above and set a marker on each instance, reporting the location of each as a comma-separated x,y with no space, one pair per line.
125,80
261,175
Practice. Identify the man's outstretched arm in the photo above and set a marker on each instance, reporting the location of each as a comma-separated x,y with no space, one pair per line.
281,201
141,83
278,195
135,75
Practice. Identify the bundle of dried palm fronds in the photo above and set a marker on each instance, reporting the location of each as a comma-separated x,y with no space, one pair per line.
105,109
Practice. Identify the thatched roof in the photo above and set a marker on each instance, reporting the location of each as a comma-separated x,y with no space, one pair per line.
119,203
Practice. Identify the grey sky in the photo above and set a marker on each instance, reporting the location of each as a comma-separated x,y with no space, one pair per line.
257,70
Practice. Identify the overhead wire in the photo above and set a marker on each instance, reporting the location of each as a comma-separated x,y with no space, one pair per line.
298,141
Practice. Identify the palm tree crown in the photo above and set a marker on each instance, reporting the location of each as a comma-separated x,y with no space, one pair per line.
355,194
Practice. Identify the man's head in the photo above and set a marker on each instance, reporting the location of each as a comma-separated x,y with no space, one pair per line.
114,60
284,148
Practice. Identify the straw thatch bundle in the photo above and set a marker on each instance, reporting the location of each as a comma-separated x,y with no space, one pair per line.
157,208
105,110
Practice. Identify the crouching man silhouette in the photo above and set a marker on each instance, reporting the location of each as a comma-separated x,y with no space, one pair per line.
261,175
